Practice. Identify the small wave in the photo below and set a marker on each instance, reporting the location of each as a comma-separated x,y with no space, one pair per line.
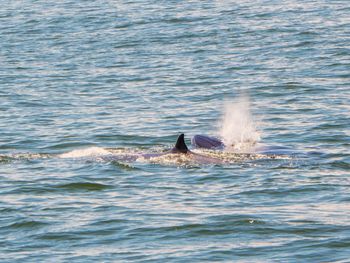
86,186
27,224
5,159
53,236
91,151
215,228
22,156
124,165
231,157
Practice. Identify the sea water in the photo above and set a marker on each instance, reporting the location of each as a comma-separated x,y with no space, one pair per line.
84,81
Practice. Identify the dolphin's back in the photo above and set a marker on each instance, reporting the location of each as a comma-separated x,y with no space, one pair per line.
206,142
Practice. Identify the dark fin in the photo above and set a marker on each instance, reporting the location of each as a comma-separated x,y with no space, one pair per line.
180,145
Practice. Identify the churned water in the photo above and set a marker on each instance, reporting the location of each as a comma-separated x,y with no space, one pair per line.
83,81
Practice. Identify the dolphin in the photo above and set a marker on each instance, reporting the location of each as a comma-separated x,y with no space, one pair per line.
182,149
207,142
179,148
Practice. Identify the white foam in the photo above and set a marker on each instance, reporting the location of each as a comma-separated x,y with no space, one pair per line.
87,152
238,128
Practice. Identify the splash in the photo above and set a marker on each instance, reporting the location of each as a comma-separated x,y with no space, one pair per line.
238,129
88,152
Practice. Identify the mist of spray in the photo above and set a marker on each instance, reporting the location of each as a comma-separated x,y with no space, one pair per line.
238,129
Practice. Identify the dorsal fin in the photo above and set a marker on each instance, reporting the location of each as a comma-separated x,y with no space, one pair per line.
180,145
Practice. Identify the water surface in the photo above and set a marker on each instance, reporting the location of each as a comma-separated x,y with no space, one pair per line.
89,78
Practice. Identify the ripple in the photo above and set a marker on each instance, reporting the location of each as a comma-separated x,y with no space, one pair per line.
60,237
27,224
101,82
83,186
